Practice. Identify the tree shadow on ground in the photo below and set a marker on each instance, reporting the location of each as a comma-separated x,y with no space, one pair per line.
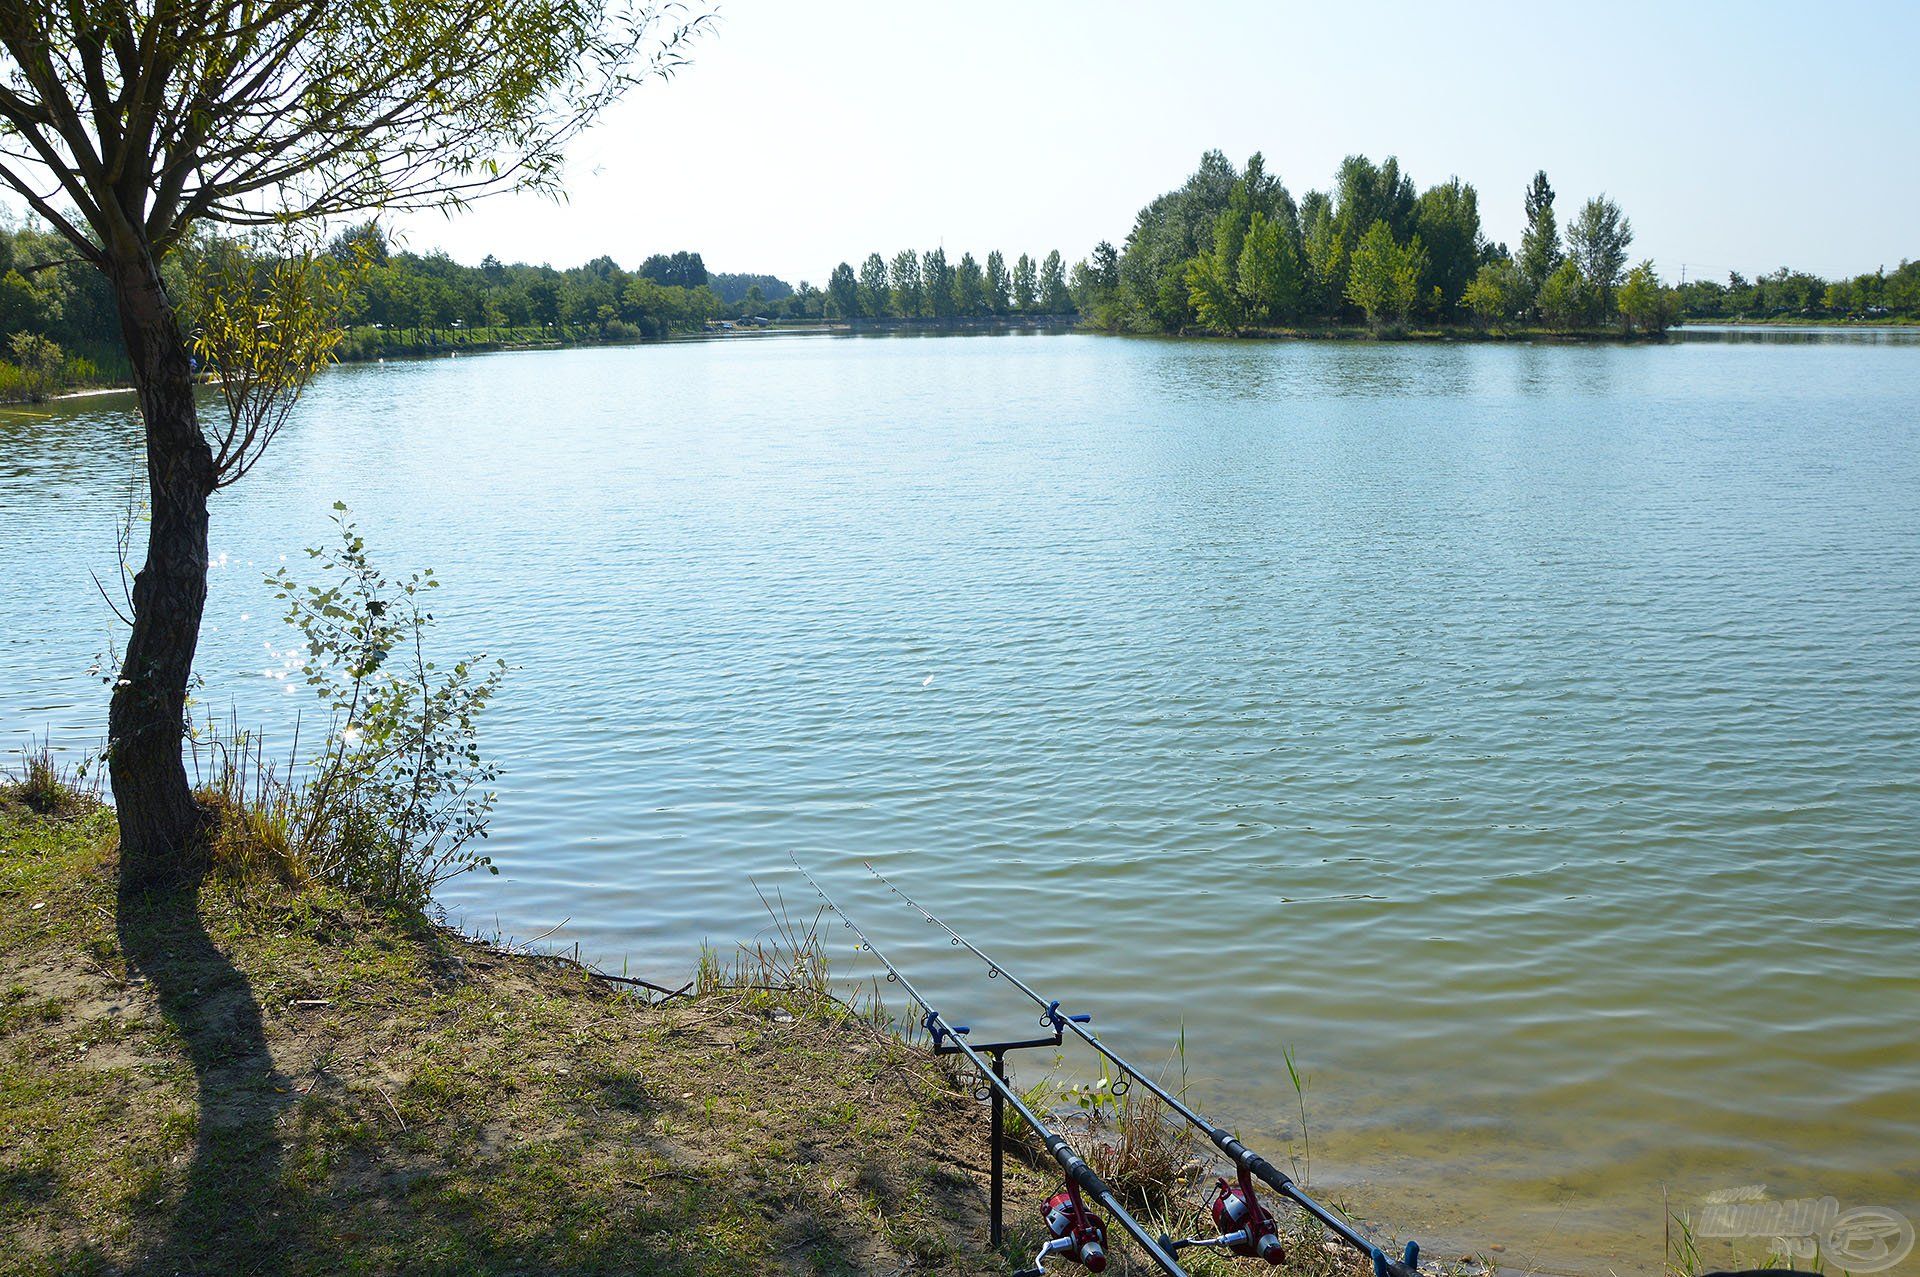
447,1109
228,1196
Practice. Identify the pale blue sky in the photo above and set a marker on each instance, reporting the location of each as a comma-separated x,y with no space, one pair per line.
1735,135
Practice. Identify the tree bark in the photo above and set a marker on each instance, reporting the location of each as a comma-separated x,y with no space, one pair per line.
159,820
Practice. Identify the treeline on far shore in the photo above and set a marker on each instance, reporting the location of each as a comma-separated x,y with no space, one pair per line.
405,303
1233,251
58,329
1230,251
1787,296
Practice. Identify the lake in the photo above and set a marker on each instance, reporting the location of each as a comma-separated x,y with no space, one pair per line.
1524,736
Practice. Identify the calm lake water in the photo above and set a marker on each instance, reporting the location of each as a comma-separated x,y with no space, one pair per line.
1525,736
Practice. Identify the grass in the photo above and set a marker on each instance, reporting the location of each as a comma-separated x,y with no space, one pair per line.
48,788
255,1073
1683,1257
278,1080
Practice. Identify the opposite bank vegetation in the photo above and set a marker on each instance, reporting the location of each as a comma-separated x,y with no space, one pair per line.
1228,251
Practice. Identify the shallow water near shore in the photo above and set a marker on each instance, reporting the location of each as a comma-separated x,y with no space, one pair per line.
1525,736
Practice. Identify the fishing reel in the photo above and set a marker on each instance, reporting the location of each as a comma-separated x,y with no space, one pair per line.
1077,1235
1246,1227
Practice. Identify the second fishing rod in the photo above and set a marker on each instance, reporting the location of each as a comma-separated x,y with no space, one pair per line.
1245,1160
1077,1235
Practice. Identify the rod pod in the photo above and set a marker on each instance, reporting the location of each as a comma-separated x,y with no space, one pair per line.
1080,1176
1244,1159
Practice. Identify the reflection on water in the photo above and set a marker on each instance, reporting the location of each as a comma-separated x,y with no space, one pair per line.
1805,335
1522,734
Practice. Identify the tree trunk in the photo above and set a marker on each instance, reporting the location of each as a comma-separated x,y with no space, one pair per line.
159,821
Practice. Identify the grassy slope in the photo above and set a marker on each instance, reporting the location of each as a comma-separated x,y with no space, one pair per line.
285,1085
271,1080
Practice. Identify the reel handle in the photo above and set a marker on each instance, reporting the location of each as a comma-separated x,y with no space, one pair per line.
1039,1268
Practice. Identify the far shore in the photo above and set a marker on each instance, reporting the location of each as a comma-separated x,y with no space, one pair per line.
1068,323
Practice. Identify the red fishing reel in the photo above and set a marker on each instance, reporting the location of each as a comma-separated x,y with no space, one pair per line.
1246,1227
1075,1234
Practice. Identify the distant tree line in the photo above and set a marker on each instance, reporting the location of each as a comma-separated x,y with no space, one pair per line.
1232,250
927,285
733,289
1794,294
405,297
58,328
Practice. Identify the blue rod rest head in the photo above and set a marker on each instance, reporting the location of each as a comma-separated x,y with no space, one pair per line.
1379,1261
1051,1016
1413,1256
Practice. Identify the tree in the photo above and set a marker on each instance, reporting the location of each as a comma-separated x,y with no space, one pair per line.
128,125
1647,305
1095,284
843,291
1024,291
1210,288
1540,244
1598,240
874,294
1320,253
1565,299
1447,220
676,270
1104,262
999,284
1055,298
936,277
1167,234
1497,293
969,287
1365,193
1383,277
909,298
25,306
1269,277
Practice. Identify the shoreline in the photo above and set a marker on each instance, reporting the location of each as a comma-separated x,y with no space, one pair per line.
248,1075
256,1077
1062,324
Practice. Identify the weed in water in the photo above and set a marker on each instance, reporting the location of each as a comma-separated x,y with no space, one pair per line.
1302,1165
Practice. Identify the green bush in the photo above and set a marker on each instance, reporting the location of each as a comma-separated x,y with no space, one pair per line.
397,797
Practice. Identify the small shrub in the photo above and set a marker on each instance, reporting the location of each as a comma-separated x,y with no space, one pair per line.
394,799
80,371
39,363
399,793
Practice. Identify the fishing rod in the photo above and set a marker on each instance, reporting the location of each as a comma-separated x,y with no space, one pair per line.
1245,1215
1078,1234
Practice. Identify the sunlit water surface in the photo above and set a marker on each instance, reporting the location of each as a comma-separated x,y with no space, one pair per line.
1524,736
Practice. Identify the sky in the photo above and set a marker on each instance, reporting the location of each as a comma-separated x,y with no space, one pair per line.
1735,136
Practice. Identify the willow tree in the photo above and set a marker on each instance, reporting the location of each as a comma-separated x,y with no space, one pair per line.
127,124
